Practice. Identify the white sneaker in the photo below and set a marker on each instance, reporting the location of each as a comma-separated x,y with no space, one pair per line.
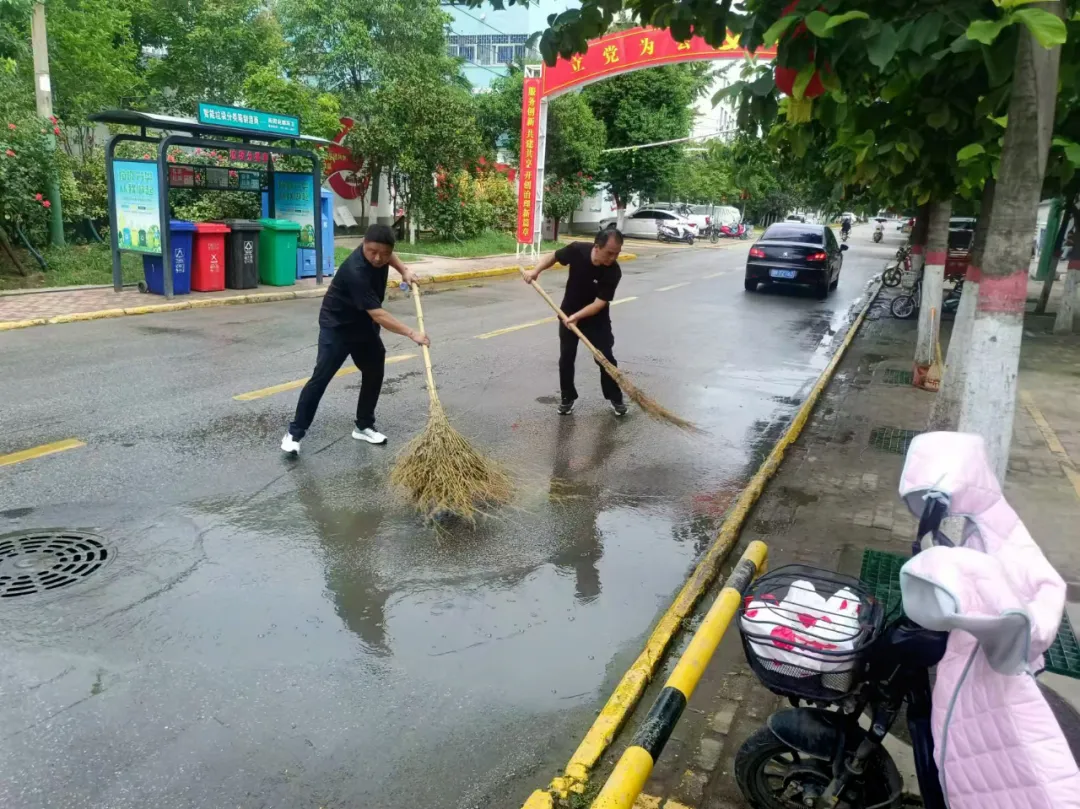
369,435
290,445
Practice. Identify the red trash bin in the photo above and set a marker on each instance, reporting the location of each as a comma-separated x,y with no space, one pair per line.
208,268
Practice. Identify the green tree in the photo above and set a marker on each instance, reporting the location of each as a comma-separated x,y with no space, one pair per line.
268,88
434,132
203,50
357,46
646,106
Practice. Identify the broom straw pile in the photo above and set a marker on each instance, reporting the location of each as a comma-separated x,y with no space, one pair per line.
439,470
651,407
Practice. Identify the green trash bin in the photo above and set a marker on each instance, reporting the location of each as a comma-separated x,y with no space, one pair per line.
277,252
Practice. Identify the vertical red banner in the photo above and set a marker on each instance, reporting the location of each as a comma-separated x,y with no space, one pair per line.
530,128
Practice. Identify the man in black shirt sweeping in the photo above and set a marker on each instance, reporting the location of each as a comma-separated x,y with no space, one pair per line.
349,323
590,287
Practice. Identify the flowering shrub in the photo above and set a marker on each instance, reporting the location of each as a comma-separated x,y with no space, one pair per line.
26,163
461,206
563,195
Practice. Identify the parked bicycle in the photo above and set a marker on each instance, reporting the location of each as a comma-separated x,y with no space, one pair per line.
892,276
907,306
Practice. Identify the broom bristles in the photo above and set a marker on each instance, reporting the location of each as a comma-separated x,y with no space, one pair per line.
442,472
652,408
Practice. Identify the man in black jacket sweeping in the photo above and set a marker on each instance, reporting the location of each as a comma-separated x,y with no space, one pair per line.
349,323
590,287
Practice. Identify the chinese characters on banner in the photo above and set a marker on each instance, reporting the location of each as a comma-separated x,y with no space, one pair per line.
530,129
639,47
248,156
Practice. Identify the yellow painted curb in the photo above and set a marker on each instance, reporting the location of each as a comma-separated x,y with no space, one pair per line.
634,681
235,300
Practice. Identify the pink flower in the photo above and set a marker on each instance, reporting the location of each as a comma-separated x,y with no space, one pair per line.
37,197
9,153
56,130
52,119
46,203
146,157
11,126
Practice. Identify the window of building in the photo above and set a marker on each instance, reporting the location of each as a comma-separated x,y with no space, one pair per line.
467,52
505,54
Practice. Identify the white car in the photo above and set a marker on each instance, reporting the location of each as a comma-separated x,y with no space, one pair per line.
644,222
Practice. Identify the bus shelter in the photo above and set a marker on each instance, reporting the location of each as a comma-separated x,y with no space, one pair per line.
249,136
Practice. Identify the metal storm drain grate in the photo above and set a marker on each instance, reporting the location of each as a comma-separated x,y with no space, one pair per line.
897,376
47,560
892,439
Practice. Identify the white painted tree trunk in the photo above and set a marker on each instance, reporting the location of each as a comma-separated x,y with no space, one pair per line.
988,403
945,414
937,243
620,216
1066,313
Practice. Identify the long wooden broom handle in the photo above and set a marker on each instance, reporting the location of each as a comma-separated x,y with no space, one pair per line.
565,320
427,354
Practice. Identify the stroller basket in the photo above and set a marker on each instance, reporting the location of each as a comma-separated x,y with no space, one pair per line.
807,632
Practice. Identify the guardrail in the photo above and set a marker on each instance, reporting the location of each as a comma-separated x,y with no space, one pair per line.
636,764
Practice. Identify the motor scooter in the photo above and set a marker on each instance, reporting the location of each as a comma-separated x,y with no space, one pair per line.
674,233
735,231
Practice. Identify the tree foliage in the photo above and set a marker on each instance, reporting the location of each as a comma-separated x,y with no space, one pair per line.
646,106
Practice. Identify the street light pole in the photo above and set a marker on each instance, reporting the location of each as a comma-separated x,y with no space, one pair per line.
43,95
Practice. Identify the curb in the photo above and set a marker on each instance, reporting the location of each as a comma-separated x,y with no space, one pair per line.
236,300
633,683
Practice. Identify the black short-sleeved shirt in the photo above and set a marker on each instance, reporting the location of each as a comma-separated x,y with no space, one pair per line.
587,281
358,286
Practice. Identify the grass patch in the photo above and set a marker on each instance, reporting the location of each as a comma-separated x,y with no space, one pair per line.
75,265
491,243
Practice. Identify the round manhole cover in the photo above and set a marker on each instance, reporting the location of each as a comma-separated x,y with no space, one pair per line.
47,560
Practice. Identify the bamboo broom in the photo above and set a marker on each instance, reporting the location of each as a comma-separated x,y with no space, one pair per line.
440,471
650,406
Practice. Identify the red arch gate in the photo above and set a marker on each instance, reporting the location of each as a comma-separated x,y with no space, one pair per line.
610,55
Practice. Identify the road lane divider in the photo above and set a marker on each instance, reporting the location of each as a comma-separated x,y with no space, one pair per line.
673,286
262,393
626,781
715,275
40,452
632,685
499,332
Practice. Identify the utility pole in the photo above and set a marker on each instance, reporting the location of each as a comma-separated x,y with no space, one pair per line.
43,95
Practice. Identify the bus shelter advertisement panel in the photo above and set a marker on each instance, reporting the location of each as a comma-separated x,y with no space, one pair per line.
138,208
294,200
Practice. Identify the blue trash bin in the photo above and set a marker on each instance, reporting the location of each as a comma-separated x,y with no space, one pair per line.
180,237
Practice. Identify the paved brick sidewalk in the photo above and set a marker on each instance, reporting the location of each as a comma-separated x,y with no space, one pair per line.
836,495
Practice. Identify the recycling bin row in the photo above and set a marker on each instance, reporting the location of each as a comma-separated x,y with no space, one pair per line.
235,254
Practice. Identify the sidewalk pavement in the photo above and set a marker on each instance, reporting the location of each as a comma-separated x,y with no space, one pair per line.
836,494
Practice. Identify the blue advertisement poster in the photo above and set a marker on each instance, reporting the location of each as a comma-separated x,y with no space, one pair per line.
138,223
294,200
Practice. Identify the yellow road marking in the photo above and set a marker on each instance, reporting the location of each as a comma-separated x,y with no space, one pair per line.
673,286
518,327
531,323
299,383
38,452
1057,449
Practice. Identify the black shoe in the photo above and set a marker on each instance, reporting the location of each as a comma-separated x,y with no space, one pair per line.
619,408
566,407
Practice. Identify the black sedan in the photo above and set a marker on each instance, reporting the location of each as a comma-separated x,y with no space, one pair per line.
794,253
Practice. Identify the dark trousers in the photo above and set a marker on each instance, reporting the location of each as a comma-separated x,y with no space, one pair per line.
601,337
369,356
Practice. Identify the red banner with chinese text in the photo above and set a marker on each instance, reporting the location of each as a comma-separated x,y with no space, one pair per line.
530,129
637,48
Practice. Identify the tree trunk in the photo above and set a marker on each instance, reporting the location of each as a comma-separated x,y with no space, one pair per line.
918,238
988,403
937,249
5,243
1066,313
946,410
555,228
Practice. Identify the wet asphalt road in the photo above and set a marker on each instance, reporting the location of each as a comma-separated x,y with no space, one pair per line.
270,633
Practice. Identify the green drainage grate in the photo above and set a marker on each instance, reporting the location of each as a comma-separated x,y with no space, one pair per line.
892,439
897,376
881,575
